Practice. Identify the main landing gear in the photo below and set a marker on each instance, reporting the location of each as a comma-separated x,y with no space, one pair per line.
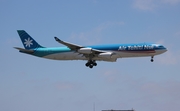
152,58
91,63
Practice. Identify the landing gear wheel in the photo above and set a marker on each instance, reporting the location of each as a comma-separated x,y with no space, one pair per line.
91,66
94,64
152,58
87,64
91,63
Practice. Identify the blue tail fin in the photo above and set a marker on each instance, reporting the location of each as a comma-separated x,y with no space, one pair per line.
27,40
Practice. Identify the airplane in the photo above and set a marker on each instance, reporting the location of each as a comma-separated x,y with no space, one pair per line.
92,54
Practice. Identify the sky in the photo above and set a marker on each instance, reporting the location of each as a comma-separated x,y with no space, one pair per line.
29,83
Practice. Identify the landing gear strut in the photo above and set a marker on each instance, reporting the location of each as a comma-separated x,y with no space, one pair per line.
152,58
91,63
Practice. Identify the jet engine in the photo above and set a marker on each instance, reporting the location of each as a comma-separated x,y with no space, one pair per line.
85,50
106,55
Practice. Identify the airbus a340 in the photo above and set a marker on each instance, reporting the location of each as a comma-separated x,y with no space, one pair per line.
90,53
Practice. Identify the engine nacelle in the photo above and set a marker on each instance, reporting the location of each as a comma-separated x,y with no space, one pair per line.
105,55
85,50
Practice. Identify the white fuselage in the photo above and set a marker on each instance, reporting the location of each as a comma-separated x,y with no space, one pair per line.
72,55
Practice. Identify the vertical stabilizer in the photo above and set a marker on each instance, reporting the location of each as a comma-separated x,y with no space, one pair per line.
27,40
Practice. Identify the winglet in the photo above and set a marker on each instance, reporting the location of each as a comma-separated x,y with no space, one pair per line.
60,41
57,39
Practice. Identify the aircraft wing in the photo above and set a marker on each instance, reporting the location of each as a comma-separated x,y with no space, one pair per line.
78,47
89,52
70,45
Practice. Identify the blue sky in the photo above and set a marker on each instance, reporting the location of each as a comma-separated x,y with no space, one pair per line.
29,83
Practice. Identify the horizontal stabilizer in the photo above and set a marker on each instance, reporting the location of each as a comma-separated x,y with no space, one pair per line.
24,50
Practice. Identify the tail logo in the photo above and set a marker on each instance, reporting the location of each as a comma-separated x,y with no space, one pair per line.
28,42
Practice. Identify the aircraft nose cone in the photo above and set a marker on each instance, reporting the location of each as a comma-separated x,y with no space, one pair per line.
165,49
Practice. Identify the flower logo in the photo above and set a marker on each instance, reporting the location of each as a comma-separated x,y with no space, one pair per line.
28,42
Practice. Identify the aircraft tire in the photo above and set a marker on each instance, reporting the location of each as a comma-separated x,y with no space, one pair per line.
91,66
152,60
94,64
87,64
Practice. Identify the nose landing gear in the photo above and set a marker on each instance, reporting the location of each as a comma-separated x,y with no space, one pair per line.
152,58
91,63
